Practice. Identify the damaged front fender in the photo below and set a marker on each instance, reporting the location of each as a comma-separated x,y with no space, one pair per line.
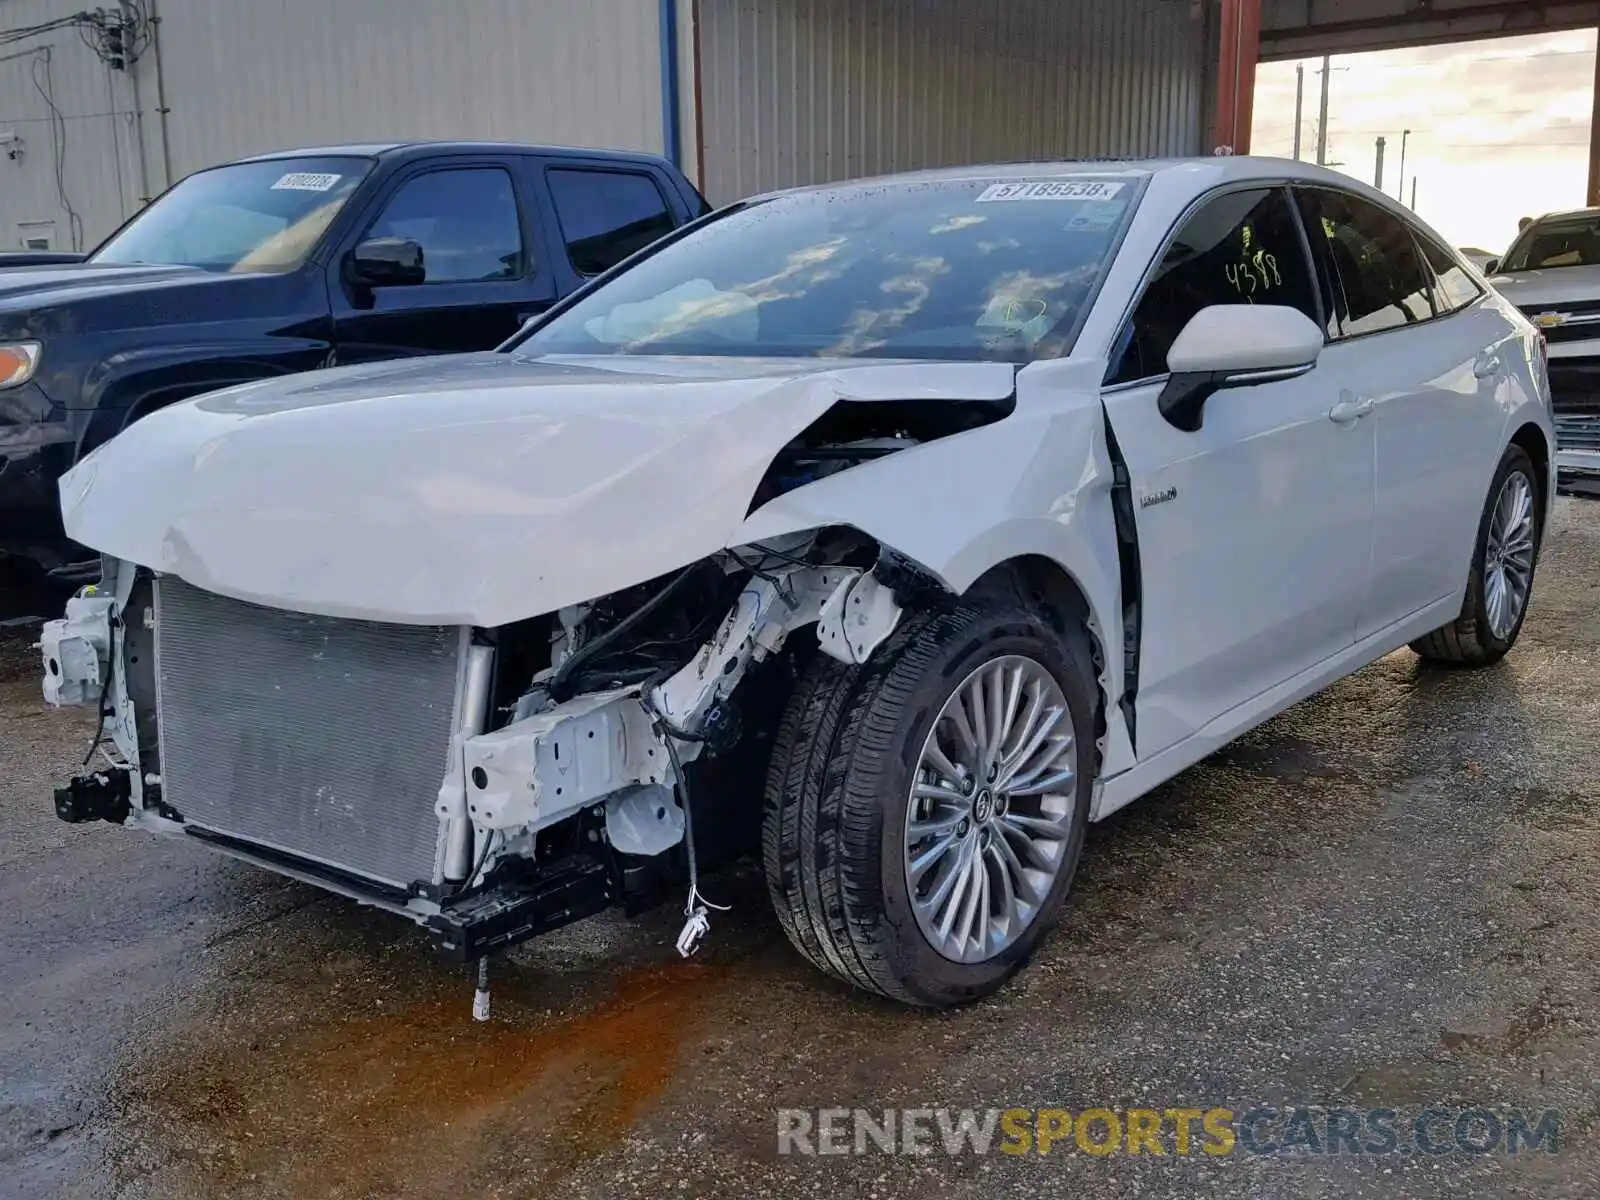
1037,484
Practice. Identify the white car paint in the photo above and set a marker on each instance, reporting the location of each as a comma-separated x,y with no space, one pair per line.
1297,539
474,490
1254,570
1274,337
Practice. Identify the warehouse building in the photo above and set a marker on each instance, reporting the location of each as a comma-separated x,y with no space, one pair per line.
102,109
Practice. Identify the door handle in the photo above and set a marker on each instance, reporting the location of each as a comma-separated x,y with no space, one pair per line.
1487,366
1350,410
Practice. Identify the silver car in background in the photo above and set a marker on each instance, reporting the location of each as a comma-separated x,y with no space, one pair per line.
1552,273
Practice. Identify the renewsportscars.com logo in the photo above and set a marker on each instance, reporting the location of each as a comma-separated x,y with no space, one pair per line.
1287,1132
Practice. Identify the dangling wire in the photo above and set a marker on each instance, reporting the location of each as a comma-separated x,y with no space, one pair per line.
696,909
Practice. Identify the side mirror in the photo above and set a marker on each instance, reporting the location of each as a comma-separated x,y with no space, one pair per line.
1491,266
386,262
1235,345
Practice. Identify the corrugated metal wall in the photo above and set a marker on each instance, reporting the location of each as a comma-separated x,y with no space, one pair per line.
59,103
247,76
790,91
244,76
800,91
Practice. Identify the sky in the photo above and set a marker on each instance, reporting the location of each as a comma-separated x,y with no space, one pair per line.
1499,129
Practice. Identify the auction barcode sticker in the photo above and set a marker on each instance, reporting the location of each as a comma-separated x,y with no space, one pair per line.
306,181
1056,189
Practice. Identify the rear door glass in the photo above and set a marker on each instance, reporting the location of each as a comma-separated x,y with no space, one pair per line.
1381,281
606,216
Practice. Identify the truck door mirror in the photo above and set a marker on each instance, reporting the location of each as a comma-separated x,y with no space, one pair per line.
386,262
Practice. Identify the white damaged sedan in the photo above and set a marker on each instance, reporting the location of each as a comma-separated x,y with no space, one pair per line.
897,529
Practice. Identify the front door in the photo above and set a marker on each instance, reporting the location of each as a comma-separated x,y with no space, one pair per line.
483,277
1255,531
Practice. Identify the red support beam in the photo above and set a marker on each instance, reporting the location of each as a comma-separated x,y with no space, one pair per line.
1594,133
1236,76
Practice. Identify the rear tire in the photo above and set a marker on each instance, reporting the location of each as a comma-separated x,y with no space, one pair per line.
837,848
1496,600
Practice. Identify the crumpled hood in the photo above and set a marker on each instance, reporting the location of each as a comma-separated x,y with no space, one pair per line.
1549,288
476,489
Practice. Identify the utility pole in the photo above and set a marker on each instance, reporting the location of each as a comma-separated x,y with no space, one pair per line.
1413,193
1299,105
1405,137
1377,177
1322,120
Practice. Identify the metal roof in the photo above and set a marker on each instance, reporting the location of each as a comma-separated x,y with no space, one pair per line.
1304,28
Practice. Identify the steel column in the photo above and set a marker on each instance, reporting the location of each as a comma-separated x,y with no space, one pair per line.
1239,51
1594,133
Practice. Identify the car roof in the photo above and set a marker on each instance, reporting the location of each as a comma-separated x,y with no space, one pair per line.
1570,214
1220,169
427,149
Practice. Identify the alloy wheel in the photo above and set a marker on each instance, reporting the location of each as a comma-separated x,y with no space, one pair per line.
991,809
1508,555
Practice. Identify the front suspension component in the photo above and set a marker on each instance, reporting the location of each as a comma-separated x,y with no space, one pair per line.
103,796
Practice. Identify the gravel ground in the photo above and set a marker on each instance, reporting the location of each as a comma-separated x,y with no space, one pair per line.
1383,898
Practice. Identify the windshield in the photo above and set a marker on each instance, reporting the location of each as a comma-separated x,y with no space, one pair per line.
248,217
1569,242
975,269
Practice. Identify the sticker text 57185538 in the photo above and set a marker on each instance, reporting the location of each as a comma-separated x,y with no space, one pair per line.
306,181
1051,189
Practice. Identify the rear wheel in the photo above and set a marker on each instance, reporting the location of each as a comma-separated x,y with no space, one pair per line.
925,812
1501,580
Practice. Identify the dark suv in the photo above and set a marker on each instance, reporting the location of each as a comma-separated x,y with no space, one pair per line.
293,261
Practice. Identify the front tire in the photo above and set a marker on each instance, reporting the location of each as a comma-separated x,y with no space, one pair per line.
1501,581
925,812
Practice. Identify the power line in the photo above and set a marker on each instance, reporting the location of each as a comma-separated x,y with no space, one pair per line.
85,116
1477,114
1512,145
1453,62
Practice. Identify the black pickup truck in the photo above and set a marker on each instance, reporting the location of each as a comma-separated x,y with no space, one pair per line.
294,261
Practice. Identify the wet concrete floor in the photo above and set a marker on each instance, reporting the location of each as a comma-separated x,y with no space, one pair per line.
1384,898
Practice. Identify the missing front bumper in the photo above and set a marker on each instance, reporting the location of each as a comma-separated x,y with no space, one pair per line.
1578,472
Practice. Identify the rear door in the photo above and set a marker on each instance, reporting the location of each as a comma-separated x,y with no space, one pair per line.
602,212
1425,355
1255,530
484,275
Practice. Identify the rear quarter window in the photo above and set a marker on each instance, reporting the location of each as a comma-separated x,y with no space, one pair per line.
1454,288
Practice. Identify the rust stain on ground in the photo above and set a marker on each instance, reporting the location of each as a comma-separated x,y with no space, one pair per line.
417,1101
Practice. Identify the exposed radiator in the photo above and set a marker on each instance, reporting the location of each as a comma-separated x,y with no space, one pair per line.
320,737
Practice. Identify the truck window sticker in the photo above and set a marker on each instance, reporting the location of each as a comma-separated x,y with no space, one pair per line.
306,181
